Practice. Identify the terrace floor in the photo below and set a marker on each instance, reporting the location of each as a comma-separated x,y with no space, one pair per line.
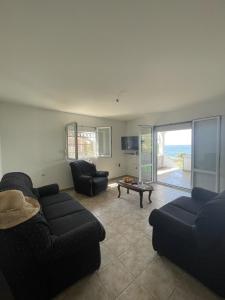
174,176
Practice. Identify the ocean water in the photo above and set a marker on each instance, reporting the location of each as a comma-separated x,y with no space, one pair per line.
174,150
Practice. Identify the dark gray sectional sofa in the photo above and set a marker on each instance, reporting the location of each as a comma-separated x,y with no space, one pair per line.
52,250
190,231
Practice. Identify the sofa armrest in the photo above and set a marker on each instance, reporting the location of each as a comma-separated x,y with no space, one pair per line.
162,220
75,240
202,194
85,181
102,174
85,178
48,190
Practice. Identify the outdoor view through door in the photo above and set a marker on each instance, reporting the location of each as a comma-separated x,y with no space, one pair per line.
174,156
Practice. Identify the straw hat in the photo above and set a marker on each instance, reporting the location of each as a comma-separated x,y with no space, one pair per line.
15,208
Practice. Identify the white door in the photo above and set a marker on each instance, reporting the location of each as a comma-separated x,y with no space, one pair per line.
145,154
206,152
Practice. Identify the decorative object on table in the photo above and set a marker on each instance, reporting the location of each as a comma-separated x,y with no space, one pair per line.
140,188
128,179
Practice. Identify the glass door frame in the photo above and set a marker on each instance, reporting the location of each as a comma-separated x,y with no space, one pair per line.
218,147
152,154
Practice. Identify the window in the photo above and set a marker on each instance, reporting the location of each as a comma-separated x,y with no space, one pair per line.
87,142
71,141
104,141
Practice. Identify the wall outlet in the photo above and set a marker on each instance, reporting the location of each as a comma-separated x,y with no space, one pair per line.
119,165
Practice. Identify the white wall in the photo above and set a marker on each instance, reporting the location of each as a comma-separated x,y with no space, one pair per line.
200,110
0,159
33,141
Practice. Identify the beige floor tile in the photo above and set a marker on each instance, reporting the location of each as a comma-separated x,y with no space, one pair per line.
118,244
158,279
88,288
110,215
110,230
115,278
137,257
107,257
136,292
133,235
121,227
179,294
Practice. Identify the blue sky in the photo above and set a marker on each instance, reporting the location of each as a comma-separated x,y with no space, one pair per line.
178,137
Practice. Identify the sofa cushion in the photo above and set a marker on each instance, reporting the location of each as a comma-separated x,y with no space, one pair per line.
61,209
53,199
179,213
188,204
18,181
71,221
210,222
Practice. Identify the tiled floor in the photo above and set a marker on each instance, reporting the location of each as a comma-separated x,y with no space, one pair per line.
175,177
130,269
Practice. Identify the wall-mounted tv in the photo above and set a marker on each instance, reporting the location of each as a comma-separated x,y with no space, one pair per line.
129,143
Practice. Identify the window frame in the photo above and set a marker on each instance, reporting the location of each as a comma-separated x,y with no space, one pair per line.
76,154
75,141
110,141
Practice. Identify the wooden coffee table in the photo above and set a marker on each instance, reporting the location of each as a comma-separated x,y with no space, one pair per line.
140,188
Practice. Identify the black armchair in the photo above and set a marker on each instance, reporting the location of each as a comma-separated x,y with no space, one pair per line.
87,180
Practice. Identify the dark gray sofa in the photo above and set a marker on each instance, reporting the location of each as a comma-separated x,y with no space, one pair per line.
190,231
52,250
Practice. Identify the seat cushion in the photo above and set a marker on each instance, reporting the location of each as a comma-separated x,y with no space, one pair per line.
72,221
53,199
61,209
210,223
188,204
179,213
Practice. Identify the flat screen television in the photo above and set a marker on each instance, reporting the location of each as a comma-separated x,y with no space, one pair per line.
129,143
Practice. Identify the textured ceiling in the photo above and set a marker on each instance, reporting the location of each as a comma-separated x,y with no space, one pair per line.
79,56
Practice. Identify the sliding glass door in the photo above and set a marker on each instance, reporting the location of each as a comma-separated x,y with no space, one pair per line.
186,154
145,154
173,160
206,150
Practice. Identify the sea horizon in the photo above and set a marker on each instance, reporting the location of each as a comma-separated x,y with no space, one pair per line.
174,150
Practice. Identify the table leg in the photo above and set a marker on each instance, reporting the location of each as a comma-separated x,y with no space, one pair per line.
149,197
127,191
118,190
141,198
